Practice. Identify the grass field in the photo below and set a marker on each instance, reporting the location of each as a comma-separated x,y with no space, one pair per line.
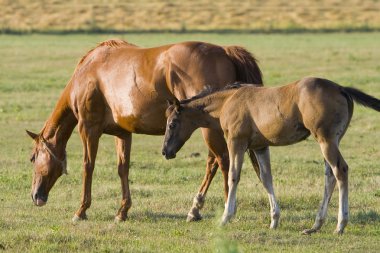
35,68
200,15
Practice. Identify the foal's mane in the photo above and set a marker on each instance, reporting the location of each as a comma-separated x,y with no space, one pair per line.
108,43
209,91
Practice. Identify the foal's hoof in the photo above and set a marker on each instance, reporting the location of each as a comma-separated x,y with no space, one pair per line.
193,217
309,231
76,218
338,232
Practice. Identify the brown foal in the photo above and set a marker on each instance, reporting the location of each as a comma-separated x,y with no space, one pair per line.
254,118
119,89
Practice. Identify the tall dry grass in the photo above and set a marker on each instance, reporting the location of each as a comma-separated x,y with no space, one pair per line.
118,15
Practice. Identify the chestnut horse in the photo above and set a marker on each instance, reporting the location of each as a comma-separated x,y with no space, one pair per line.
254,118
119,89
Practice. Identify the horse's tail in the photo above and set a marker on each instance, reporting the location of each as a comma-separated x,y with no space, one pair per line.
362,98
247,69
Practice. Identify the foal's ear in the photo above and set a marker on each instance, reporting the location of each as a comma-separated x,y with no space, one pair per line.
32,135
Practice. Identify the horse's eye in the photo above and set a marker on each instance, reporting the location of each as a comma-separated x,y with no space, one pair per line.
33,158
171,125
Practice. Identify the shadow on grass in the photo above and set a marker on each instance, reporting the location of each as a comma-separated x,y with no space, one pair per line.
155,216
365,217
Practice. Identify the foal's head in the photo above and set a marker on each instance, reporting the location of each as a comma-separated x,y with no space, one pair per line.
181,123
47,169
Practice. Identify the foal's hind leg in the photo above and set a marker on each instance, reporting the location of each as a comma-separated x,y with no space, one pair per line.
123,148
339,168
218,156
263,158
330,182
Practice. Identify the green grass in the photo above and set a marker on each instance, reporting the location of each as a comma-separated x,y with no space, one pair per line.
35,68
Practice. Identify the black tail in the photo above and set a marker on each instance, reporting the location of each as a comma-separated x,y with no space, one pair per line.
362,98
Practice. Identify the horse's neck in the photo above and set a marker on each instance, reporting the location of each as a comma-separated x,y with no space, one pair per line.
61,123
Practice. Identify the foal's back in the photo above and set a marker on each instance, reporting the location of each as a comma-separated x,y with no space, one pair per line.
285,115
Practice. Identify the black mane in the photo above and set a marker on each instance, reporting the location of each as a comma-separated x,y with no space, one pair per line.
208,91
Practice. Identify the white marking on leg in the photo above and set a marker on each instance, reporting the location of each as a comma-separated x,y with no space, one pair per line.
263,158
236,153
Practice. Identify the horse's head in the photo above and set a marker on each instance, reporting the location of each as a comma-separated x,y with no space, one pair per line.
180,125
47,169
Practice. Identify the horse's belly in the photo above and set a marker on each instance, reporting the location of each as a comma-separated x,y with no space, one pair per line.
142,122
136,110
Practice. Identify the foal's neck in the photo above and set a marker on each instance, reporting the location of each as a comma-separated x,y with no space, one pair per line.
60,125
211,106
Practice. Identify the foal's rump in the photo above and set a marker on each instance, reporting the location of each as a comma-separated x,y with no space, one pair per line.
326,107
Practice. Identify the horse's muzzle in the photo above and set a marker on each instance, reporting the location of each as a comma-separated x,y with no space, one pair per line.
168,155
39,200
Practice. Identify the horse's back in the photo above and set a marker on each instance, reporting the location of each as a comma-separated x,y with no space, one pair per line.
134,83
194,65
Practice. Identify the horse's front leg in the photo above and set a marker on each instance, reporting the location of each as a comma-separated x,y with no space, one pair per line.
217,157
123,148
90,138
236,149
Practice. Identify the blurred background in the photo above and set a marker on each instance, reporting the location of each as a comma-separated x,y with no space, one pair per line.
60,16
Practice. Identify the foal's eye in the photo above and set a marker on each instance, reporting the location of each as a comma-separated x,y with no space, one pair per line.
171,125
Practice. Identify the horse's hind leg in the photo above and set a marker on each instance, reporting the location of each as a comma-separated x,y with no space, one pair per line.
218,157
330,182
263,158
123,148
339,168
198,201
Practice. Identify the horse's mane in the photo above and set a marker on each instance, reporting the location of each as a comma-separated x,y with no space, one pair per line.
108,43
209,91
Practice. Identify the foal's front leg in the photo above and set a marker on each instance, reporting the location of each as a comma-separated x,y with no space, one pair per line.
236,149
90,138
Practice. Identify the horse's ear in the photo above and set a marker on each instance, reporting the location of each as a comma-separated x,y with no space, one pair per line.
32,135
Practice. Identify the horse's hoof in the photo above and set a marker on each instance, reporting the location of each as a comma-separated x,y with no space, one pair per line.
76,218
119,219
309,231
192,217
338,232
225,220
273,225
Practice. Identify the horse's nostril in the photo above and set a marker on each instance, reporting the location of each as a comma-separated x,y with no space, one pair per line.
163,153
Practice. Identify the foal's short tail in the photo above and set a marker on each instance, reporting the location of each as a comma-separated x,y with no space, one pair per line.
247,69
362,98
